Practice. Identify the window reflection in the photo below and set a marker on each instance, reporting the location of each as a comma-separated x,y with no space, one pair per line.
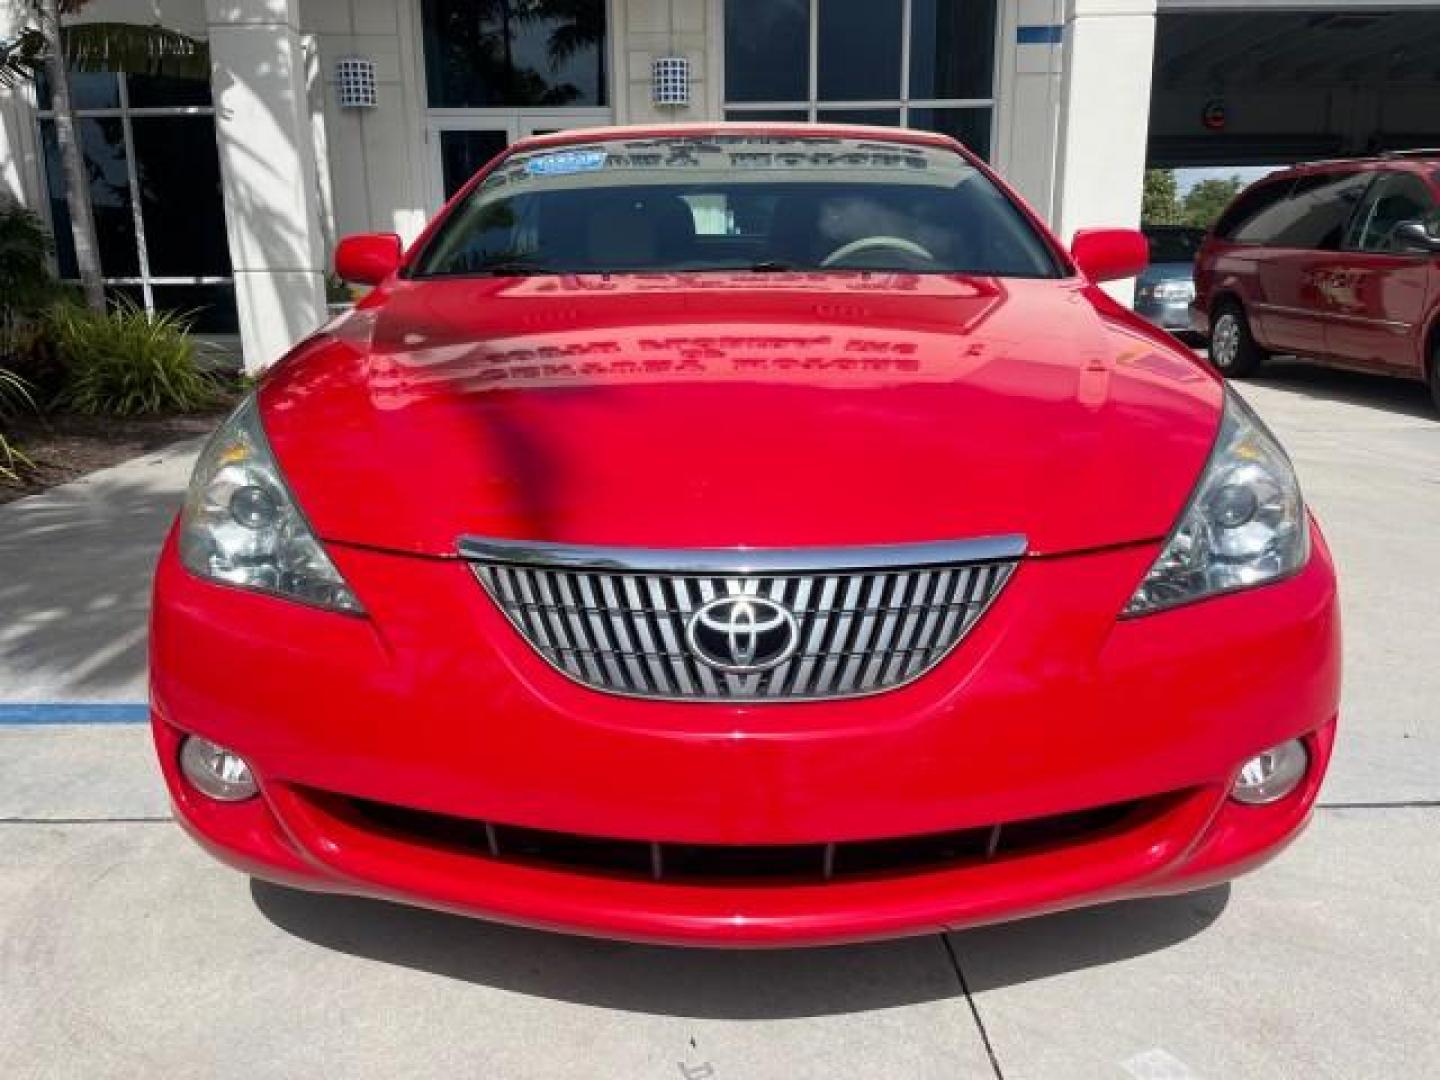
513,53
88,90
861,50
102,141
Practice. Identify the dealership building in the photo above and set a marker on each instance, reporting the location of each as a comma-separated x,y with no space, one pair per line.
326,117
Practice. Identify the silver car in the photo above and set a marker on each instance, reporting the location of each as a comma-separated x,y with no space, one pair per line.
1164,291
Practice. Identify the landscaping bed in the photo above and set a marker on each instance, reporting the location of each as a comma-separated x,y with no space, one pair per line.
65,446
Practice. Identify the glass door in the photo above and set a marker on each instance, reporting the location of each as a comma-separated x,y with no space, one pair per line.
498,70
463,145
464,151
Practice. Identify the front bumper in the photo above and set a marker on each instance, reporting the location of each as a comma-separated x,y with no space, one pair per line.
1049,707
1168,315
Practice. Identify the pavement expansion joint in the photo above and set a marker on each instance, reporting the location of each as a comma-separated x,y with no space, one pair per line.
974,1008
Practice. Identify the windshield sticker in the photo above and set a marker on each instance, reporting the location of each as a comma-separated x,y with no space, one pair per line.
572,161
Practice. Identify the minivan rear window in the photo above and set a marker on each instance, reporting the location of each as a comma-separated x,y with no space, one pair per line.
1314,214
1307,213
1249,205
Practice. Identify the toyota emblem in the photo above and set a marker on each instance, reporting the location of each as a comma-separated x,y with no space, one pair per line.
743,634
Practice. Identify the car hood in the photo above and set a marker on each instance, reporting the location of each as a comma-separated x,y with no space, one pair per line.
724,411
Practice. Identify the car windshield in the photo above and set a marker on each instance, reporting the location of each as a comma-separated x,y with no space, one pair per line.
1174,245
731,202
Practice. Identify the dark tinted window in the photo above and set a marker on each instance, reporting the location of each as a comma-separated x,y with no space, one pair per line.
210,308
159,91
499,53
737,202
952,48
970,127
767,50
1174,245
463,152
872,117
179,172
792,116
1315,213
1394,198
1239,220
860,50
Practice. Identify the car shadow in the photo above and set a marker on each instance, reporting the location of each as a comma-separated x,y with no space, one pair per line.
734,984
1403,396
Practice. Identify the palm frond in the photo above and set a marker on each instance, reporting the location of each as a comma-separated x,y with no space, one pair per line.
135,49
14,392
565,41
21,56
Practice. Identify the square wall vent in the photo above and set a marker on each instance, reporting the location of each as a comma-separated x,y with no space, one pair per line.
670,85
355,81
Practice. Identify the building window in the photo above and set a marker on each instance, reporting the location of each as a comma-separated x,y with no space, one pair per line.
149,146
926,64
495,54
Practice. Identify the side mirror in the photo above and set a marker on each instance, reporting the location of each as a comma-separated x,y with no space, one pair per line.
1110,254
368,258
1414,238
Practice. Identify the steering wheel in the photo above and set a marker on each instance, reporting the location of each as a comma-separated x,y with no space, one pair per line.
872,243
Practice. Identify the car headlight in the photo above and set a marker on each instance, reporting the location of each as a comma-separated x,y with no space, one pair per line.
1245,524
242,526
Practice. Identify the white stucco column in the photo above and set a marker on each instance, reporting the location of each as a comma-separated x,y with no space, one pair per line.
19,153
1027,114
267,165
1104,113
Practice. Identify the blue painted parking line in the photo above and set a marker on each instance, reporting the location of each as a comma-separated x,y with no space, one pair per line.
44,713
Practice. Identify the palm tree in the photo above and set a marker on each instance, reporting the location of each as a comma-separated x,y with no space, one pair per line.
115,47
579,27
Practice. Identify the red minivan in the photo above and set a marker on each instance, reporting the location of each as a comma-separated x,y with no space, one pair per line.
1337,261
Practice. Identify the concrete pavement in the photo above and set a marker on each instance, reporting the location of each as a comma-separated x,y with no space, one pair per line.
124,951
75,570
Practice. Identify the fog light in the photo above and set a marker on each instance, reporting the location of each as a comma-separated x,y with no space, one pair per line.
215,771
1269,777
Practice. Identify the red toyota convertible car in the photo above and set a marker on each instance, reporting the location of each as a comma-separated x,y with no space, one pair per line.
743,535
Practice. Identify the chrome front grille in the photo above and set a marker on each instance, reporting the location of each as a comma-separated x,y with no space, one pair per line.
856,621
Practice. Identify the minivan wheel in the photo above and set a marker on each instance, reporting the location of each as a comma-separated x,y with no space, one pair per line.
1232,347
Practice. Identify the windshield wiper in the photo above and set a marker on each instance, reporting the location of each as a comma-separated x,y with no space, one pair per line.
771,266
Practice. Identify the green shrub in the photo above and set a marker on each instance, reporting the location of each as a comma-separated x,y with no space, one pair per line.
27,290
127,361
26,285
